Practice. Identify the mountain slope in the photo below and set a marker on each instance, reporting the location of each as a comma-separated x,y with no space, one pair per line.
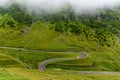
63,31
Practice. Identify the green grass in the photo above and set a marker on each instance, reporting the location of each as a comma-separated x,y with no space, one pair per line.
43,37
4,75
35,58
107,60
98,38
95,61
8,61
59,75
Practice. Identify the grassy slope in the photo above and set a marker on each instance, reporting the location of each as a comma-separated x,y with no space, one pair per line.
42,37
4,75
6,62
96,61
59,75
35,58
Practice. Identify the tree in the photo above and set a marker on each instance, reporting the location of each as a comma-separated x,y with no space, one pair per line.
105,36
19,14
7,21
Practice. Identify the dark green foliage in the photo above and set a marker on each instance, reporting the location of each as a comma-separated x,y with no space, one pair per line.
10,23
22,18
7,21
60,27
101,28
2,10
19,14
15,8
65,14
75,28
105,37
97,31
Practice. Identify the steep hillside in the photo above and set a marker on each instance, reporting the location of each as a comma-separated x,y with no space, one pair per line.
31,39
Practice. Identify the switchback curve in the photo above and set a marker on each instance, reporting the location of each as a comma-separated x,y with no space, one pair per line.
43,65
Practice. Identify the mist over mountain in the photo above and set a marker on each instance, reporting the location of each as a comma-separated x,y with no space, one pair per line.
79,6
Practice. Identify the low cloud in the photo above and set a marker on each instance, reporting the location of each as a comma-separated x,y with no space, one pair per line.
54,5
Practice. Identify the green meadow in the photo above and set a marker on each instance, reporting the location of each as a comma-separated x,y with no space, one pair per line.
73,43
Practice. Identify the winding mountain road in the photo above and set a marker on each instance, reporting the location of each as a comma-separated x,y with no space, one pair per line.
43,65
17,48
35,50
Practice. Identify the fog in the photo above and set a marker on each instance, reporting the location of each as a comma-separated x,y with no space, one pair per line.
54,5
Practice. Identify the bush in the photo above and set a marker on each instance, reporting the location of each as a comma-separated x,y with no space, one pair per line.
105,36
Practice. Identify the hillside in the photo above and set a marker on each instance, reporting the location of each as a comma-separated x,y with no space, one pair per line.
71,41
